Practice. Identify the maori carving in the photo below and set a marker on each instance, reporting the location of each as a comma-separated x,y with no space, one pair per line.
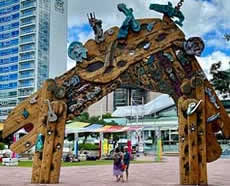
213,118
33,100
158,60
150,26
96,24
212,97
77,52
169,11
52,117
129,23
194,46
39,143
73,82
25,113
192,107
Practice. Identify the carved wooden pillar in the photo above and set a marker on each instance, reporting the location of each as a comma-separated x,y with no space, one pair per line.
192,135
47,159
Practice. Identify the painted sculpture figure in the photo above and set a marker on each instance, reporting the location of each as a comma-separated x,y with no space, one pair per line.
156,58
169,11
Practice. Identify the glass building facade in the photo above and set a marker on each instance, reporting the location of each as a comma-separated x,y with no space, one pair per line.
24,49
125,96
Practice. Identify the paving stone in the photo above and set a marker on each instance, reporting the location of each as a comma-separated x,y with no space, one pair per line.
148,174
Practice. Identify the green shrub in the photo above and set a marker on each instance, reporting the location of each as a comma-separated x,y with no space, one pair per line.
88,146
2,146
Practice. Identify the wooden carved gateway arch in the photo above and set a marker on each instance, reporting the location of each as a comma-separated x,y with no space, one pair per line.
148,53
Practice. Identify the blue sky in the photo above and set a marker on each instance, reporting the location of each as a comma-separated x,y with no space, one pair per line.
207,19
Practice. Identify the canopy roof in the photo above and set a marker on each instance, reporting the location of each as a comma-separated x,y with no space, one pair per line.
101,128
75,126
161,102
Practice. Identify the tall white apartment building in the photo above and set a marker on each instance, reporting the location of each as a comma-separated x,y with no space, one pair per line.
33,47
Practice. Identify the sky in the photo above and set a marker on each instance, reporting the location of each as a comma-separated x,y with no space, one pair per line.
207,19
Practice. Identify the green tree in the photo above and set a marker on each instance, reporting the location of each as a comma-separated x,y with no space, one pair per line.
221,78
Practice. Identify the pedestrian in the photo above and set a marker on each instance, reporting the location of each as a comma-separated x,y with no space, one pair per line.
118,165
126,162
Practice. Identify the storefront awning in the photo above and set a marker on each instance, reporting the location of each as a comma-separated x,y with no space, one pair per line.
75,126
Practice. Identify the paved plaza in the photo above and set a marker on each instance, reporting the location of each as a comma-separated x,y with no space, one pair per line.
165,173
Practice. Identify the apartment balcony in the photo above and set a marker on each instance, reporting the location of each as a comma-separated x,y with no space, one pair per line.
25,50
28,67
22,77
25,94
26,58
28,5
27,41
24,24
28,14
27,32
29,85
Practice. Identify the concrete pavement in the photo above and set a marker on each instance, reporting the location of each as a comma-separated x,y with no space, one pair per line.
149,174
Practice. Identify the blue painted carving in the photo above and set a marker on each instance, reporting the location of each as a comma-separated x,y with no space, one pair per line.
169,56
96,24
39,143
25,113
151,60
169,11
150,26
77,51
129,22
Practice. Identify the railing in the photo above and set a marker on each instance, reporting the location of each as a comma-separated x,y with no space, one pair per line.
28,22
25,94
26,85
26,58
27,31
28,5
26,14
22,76
26,67
27,40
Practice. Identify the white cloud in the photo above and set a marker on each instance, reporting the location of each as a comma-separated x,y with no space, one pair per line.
200,16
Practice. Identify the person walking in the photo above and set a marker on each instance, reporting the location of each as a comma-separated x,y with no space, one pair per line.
118,165
126,162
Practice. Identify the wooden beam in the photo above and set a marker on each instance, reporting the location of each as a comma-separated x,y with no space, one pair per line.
183,143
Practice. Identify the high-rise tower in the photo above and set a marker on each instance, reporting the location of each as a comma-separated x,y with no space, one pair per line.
33,47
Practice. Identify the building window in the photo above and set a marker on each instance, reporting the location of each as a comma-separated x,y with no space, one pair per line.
27,38
27,4
28,20
26,83
26,47
9,60
8,86
26,74
26,65
9,77
9,43
9,35
4,3
28,29
12,68
8,51
9,26
27,12
9,10
26,92
27,56
9,18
